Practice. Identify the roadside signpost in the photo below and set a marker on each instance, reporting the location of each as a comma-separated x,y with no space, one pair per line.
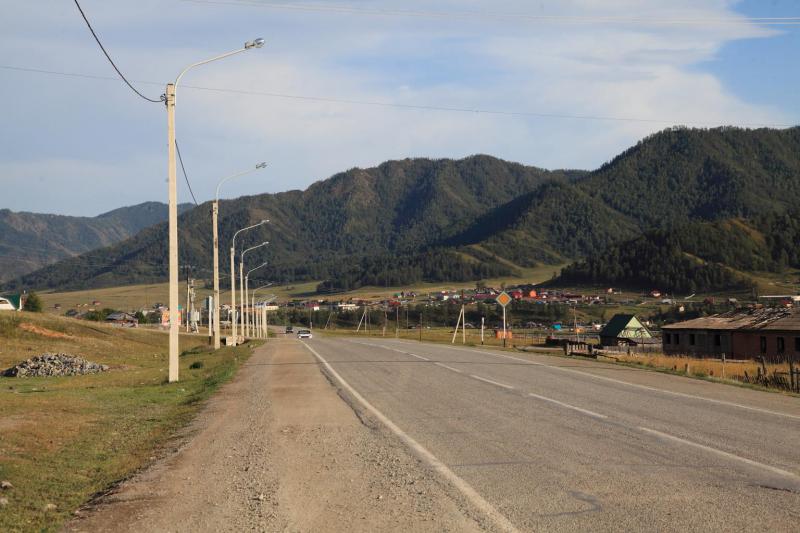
503,299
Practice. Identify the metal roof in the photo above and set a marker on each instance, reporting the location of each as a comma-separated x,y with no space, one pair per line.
624,326
752,319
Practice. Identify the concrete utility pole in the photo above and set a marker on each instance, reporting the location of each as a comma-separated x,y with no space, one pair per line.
173,235
215,231
246,294
169,101
233,278
242,295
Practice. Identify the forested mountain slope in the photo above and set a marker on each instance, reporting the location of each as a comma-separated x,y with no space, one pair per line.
29,241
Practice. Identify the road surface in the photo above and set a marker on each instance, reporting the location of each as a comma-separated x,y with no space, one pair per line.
550,443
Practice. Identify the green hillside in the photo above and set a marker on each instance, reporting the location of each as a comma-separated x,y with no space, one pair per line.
29,241
683,208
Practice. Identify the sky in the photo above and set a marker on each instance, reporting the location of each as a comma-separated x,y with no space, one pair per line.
342,84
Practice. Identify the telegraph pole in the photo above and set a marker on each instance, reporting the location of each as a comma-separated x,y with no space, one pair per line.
173,234
169,101
214,310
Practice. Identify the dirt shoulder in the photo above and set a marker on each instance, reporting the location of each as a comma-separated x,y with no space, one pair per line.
279,450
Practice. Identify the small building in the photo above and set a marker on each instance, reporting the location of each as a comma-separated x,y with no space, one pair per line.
771,333
624,330
123,320
12,302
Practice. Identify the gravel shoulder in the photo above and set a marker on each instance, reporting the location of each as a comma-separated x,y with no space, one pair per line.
279,449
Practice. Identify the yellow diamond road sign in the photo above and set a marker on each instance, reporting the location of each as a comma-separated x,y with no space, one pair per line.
503,299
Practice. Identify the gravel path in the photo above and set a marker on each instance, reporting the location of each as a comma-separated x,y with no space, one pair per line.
279,449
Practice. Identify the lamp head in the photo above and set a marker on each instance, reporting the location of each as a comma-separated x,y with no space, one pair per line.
256,43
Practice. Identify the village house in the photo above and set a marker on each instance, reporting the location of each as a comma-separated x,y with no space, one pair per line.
772,333
11,302
624,330
122,319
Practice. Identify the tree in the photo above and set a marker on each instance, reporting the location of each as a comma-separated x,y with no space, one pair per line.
33,303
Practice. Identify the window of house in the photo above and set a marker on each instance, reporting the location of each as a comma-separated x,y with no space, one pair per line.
667,338
797,344
781,345
763,344
691,339
717,340
677,338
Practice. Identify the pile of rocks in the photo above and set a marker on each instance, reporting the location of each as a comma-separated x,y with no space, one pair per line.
54,364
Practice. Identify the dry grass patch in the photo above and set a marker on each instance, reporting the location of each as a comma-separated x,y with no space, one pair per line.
63,439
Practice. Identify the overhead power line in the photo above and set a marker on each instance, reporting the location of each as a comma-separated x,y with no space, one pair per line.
178,150
417,107
121,75
558,19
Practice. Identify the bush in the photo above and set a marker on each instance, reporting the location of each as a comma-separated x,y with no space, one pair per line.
196,364
33,303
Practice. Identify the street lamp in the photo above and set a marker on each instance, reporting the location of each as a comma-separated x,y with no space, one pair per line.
241,282
246,293
233,277
263,311
169,100
214,215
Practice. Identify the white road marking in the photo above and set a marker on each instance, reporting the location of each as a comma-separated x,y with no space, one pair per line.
448,367
418,356
634,385
465,488
492,382
721,453
568,406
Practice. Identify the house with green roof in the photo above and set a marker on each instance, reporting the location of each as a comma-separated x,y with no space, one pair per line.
12,302
624,330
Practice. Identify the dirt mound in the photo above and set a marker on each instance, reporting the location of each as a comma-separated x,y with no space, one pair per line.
54,364
44,332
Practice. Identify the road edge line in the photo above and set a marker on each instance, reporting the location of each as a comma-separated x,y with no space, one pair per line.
465,488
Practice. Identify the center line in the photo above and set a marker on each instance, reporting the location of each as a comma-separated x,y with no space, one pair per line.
448,367
568,406
492,382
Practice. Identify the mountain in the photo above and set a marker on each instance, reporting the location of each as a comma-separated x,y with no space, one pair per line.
399,207
659,205
697,256
685,174
29,241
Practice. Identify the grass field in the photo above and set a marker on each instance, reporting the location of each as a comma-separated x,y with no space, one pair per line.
63,439
133,297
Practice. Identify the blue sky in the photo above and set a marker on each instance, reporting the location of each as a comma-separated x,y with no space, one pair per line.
82,146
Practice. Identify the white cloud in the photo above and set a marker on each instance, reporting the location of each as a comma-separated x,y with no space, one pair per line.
644,70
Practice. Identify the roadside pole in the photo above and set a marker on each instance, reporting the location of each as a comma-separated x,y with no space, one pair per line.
232,314
503,299
213,311
463,322
505,334
173,235
483,322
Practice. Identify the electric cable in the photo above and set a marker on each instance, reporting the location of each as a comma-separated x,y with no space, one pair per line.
178,150
96,38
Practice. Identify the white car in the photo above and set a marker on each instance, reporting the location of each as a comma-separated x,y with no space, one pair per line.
304,334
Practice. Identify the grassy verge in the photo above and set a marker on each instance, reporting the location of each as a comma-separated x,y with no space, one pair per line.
64,439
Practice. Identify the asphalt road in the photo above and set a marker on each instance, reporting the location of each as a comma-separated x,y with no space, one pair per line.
560,444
